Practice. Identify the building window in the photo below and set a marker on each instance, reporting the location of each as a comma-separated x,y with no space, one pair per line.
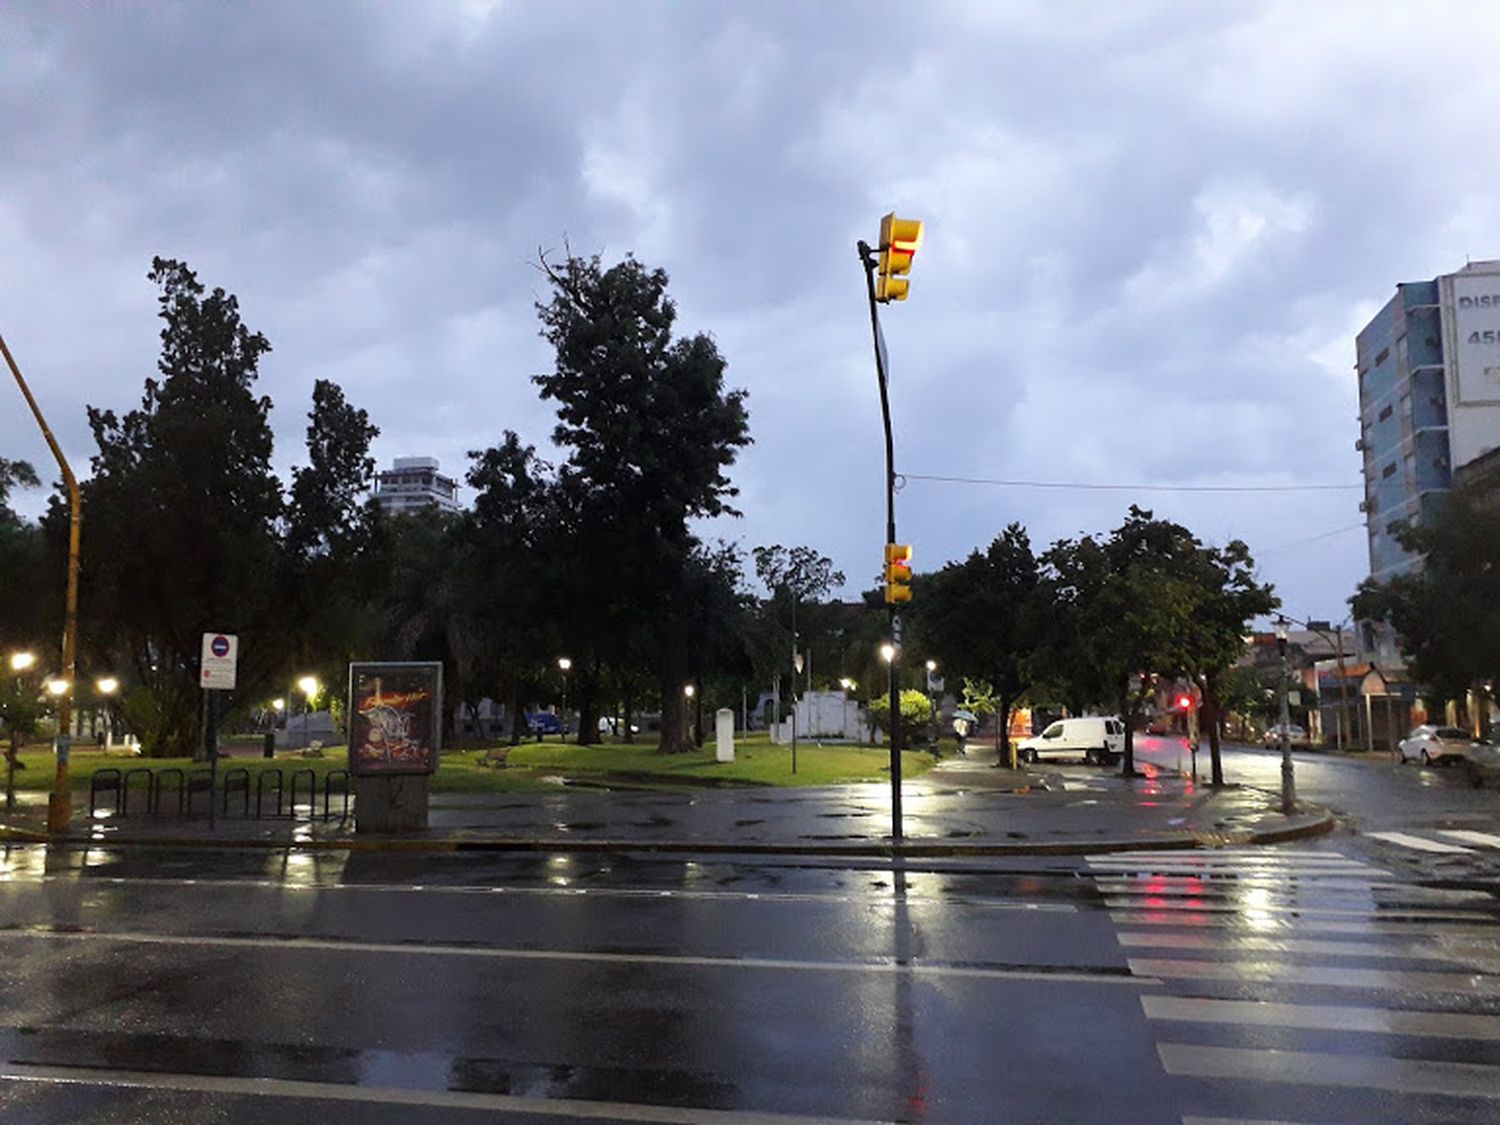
1386,413
1388,471
1385,354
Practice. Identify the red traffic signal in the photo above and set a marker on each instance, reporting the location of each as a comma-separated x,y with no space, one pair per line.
1184,703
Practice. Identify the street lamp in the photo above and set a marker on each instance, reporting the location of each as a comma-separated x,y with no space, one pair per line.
309,687
931,705
107,686
57,687
565,665
847,684
888,652
1288,779
21,661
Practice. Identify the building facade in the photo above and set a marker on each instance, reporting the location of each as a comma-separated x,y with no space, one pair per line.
1429,402
413,483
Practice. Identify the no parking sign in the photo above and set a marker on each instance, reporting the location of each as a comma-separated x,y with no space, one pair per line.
221,653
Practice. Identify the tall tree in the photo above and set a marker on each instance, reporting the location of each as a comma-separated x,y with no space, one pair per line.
183,509
1447,613
650,431
798,580
983,618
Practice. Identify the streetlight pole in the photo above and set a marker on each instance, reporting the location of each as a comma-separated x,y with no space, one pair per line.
60,801
565,665
932,706
796,667
1288,777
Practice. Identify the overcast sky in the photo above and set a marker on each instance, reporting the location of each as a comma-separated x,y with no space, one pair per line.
1152,232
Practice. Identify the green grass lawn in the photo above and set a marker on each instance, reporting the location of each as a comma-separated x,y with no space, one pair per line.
534,766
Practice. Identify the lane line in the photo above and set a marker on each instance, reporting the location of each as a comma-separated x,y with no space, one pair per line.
1319,892
884,899
1468,836
1418,843
1313,1068
1274,972
396,1096
1372,910
499,953
1483,960
1322,1017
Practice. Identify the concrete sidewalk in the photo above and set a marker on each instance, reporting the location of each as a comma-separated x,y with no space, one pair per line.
962,807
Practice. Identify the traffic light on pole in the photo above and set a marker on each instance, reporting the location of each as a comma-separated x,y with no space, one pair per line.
1184,703
897,573
899,241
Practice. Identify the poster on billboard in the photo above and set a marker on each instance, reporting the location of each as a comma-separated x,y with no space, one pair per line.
1474,312
395,717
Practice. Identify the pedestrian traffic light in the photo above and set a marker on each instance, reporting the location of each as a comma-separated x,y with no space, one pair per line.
897,573
899,241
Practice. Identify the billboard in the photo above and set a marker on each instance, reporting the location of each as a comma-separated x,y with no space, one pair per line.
1476,337
395,717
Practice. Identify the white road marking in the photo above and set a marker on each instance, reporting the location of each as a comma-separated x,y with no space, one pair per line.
1483,959
1314,1068
1167,886
1483,839
389,1095
1320,1017
1234,1121
1270,971
500,953
1405,840
881,898
1372,910
1416,928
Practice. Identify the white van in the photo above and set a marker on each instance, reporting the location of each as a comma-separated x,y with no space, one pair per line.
1093,738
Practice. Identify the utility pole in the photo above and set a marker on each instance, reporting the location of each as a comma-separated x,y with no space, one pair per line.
1288,778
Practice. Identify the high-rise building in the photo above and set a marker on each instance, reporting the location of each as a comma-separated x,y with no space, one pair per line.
412,483
1429,401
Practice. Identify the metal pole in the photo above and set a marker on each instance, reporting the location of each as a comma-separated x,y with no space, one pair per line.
1343,695
867,259
1288,779
792,590
60,801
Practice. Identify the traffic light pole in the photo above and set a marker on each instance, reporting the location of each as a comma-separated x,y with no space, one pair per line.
867,258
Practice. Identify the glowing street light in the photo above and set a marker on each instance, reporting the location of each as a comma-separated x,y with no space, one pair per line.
107,685
888,652
309,687
21,661
57,687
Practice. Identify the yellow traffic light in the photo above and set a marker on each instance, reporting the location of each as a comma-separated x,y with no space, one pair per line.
899,242
897,573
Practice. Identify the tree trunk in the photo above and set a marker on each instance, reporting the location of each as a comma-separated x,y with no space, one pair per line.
588,710
1004,756
513,710
1215,716
1127,763
627,701
674,677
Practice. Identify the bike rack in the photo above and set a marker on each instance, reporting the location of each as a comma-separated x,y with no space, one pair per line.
106,779
138,771
312,792
260,789
158,784
236,778
342,777
199,781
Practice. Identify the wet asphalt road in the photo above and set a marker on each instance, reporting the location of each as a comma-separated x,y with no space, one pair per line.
1318,983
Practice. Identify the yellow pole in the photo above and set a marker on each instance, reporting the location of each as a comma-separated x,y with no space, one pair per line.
60,801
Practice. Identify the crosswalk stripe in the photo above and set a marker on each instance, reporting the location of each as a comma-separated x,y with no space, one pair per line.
1245,871
1166,888
1295,859
1321,1017
1371,910
1316,1068
1425,951
1483,839
1263,971
1234,1121
1419,844
1414,928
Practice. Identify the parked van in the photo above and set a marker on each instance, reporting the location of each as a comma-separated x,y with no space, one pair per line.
1093,738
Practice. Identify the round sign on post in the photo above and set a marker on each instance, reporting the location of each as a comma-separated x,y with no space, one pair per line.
220,646
217,663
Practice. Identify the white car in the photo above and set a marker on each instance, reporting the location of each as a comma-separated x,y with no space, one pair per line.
1296,738
1433,745
1092,738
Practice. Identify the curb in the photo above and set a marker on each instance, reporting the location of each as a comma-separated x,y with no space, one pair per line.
1187,841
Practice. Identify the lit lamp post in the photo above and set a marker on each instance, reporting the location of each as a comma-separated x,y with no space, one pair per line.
20,663
107,686
931,703
690,691
309,687
1288,780
565,665
888,654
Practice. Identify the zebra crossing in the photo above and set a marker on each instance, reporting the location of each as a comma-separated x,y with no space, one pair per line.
1443,841
1312,986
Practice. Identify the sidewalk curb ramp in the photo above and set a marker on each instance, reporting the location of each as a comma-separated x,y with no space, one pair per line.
1317,824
